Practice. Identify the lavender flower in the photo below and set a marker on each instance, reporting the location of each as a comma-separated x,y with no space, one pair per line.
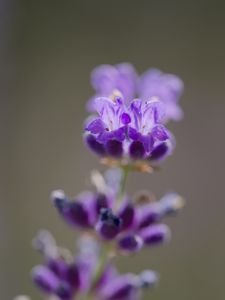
78,275
122,80
131,225
130,132
166,87
107,79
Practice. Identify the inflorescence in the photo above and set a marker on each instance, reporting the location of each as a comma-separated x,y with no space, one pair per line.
127,129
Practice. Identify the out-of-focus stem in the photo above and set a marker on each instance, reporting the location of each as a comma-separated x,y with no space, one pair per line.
125,172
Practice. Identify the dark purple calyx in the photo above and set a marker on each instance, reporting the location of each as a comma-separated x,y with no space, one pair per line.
148,214
137,150
159,152
114,148
94,145
155,234
77,214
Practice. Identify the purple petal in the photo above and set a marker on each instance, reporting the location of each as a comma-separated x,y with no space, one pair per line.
166,87
106,109
106,79
127,81
148,214
103,79
160,132
147,141
95,126
133,133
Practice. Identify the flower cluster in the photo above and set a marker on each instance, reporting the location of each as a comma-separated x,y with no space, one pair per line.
123,79
130,223
127,129
68,277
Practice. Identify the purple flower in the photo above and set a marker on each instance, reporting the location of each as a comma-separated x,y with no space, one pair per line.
165,87
133,131
130,225
122,80
78,275
107,79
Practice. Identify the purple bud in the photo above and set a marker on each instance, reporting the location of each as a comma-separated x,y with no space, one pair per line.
159,152
137,150
77,214
127,215
45,279
114,148
155,234
130,243
148,214
94,145
125,118
109,225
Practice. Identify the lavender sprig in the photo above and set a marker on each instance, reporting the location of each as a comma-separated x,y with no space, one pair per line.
129,134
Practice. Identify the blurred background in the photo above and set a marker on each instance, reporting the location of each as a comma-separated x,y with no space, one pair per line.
47,51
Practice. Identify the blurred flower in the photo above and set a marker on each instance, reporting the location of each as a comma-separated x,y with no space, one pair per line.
130,224
69,279
167,88
122,80
106,79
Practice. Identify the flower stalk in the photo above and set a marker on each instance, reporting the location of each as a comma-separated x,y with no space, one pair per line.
128,131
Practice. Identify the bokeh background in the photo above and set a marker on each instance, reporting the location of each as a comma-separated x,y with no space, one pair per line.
47,51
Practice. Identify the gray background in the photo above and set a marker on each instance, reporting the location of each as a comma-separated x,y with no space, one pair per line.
47,52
